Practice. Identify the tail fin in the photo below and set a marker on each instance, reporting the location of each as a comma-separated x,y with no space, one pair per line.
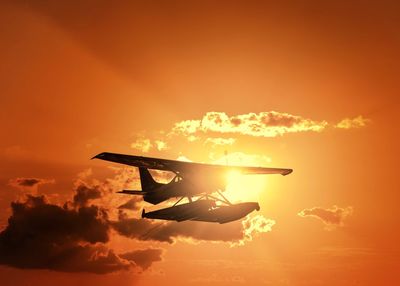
147,181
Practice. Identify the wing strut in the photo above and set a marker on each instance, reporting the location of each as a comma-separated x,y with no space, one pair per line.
229,203
178,201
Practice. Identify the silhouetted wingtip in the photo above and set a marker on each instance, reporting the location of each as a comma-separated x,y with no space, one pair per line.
98,156
289,171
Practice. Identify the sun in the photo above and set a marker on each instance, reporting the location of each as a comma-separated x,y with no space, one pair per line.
244,188
232,175
239,187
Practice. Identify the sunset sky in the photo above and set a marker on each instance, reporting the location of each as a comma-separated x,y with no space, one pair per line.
308,85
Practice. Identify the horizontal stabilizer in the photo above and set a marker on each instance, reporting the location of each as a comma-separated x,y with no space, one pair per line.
130,192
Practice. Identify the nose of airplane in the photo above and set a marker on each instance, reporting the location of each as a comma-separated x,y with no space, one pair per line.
257,207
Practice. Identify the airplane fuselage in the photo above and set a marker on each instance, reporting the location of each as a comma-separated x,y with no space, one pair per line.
176,189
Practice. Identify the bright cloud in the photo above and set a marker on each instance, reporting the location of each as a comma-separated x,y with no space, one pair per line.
253,226
332,217
142,144
263,124
161,145
220,129
356,122
220,141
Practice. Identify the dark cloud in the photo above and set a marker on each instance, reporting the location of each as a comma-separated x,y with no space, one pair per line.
143,258
332,217
69,238
28,182
236,121
279,119
86,258
148,230
85,193
133,204
73,237
43,235
169,232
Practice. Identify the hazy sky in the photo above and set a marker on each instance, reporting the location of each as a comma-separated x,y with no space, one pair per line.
309,85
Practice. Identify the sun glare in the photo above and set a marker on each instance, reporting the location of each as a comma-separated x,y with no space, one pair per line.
241,188
232,175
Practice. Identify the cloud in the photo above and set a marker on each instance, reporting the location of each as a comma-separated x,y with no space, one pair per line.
220,141
133,204
188,126
160,145
235,233
253,226
215,129
146,144
70,238
85,193
74,236
356,122
142,144
192,138
143,258
47,236
170,232
332,217
29,182
263,124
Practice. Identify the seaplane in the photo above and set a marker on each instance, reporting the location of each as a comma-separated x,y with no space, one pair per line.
202,184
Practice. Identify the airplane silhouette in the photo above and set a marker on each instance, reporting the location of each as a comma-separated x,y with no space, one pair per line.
197,182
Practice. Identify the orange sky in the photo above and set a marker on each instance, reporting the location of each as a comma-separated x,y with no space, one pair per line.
81,77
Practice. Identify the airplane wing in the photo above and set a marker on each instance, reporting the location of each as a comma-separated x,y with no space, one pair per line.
180,167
